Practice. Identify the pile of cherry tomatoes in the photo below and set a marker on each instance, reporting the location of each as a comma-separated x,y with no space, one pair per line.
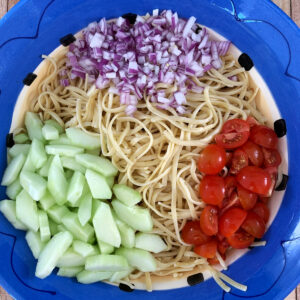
236,209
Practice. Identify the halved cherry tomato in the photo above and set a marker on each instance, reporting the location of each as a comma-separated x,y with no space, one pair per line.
209,220
239,161
254,153
235,125
247,198
273,172
192,234
212,189
240,239
232,201
251,121
223,246
231,221
254,225
264,200
264,136
207,250
255,180
228,158
262,210
230,185
214,260
272,157
212,159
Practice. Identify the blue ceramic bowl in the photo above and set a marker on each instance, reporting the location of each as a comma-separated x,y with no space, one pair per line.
258,27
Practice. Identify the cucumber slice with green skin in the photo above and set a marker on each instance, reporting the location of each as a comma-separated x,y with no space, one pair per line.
105,248
17,149
87,277
47,201
110,181
82,139
95,152
55,124
71,259
105,226
76,202
150,242
76,187
44,170
26,210
126,232
117,276
84,233
97,164
21,138
38,154
8,208
53,227
61,227
136,217
35,243
13,169
98,185
57,182
106,263
63,150
69,271
126,195
72,164
141,259
34,126
50,132
44,226
34,184
57,212
62,140
85,209
14,189
95,205
84,249
52,252
28,165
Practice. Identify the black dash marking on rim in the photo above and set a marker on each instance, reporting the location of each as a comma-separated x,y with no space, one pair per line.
130,17
9,140
29,79
67,39
283,183
198,29
125,288
245,61
280,127
195,279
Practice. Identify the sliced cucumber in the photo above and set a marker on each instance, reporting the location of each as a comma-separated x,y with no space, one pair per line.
53,227
13,169
44,226
17,149
47,201
127,234
62,140
34,184
14,189
95,205
117,276
87,277
34,126
35,243
63,150
110,181
26,210
84,249
105,226
141,259
136,217
71,259
69,174
52,252
8,208
69,271
21,138
44,170
85,209
56,213
105,248
95,151
98,185
50,132
28,165
106,263
84,233
126,195
61,227
83,139
55,124
38,154
97,164
72,164
57,182
150,242
76,187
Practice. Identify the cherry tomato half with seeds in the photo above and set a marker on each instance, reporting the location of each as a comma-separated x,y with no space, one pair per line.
239,161
240,239
231,220
207,250
232,201
212,159
223,246
272,157
209,220
254,153
255,179
235,125
262,210
251,121
230,185
247,198
212,189
254,225
264,136
192,234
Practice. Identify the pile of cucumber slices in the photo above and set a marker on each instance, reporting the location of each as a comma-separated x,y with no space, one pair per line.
63,193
